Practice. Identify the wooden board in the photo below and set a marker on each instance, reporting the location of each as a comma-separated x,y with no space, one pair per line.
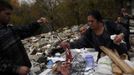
120,63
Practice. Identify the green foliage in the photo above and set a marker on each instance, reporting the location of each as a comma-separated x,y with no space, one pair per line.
64,12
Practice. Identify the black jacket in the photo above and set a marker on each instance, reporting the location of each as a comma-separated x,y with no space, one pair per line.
12,51
91,40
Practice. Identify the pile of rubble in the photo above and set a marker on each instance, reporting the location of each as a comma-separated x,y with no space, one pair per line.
38,46
43,42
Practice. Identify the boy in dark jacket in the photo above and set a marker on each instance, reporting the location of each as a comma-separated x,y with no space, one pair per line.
13,57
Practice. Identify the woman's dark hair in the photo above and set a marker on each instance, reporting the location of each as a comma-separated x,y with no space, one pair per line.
5,5
96,14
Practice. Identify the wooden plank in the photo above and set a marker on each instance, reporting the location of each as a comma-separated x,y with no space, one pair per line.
120,63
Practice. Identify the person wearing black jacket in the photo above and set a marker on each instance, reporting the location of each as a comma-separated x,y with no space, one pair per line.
124,19
99,34
13,57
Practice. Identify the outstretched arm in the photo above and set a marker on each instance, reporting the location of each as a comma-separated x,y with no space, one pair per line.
28,30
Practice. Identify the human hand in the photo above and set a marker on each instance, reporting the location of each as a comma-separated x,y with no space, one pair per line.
65,44
23,70
64,69
118,39
42,20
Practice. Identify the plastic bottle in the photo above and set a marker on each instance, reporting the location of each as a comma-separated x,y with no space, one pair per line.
89,61
49,64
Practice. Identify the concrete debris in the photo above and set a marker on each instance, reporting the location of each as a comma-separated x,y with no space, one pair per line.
38,47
